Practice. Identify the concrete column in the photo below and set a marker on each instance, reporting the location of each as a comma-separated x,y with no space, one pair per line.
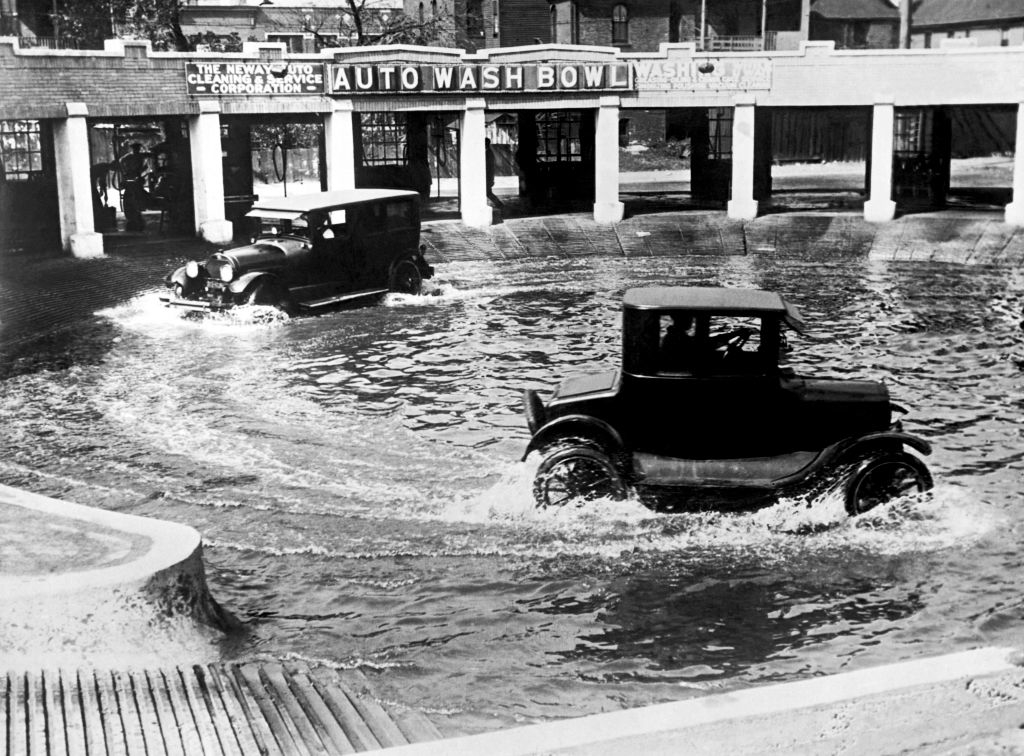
476,213
880,208
607,208
208,174
743,206
1015,210
339,136
74,187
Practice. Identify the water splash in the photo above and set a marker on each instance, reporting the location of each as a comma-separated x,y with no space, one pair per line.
147,314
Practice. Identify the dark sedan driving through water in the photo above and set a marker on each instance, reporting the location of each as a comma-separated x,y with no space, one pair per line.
312,251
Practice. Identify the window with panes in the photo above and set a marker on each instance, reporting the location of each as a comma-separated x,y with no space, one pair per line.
558,137
620,24
384,138
21,150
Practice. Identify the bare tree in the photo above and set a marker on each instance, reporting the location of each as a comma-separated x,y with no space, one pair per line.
359,23
89,22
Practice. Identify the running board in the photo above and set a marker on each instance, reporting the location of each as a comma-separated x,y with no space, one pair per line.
752,472
342,298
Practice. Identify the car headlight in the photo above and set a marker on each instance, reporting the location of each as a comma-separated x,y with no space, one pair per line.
225,272
192,269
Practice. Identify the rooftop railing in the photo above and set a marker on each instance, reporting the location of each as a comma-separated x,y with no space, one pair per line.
53,43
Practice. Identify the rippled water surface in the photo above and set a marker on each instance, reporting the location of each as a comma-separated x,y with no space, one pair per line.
356,478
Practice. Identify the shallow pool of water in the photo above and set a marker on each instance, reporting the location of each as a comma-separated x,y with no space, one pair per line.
356,478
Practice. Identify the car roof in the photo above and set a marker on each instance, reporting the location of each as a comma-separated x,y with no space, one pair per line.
713,299
303,203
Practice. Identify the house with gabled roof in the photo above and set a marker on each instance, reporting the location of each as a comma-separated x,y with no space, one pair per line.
856,24
988,22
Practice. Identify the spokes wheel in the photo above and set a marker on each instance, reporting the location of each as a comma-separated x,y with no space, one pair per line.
406,278
884,479
576,474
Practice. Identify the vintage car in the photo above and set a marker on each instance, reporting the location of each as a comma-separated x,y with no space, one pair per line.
702,416
312,251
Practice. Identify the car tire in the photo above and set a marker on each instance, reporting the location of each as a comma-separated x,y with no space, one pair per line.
578,473
406,278
883,478
267,294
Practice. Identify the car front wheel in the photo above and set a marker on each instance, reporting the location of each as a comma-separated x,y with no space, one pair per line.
882,479
576,473
268,295
406,278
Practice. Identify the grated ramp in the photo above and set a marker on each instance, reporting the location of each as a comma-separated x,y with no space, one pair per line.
222,709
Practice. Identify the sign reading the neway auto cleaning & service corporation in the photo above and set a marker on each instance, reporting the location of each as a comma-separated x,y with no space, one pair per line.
541,77
253,78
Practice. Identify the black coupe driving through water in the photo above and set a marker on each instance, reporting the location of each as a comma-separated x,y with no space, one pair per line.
702,416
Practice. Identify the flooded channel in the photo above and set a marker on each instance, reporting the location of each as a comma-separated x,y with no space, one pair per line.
356,478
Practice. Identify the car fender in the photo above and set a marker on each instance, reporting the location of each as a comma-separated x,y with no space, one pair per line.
858,446
177,277
579,426
243,282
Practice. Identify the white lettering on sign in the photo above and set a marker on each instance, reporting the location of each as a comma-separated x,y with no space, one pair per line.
491,77
272,78
703,74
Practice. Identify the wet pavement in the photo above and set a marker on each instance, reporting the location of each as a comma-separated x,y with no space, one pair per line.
40,291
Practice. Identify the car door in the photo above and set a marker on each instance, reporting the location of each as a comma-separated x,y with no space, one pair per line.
334,251
714,408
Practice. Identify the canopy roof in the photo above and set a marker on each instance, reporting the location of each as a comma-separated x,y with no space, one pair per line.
714,300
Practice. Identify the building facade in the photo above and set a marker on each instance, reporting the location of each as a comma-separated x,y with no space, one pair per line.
373,116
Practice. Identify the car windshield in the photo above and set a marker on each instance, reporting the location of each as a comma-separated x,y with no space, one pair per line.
282,226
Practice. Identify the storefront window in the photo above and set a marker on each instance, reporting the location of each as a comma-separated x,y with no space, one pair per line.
558,137
21,152
384,138
720,133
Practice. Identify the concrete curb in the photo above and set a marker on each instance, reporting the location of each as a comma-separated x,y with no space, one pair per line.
160,545
917,705
139,561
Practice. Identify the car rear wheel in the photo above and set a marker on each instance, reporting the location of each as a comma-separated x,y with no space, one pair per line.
882,479
576,473
406,278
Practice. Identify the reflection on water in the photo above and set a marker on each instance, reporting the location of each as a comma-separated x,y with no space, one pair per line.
357,480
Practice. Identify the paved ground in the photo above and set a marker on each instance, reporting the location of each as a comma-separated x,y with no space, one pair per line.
41,291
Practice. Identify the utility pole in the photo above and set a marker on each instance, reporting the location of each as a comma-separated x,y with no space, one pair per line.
904,40
703,21
805,19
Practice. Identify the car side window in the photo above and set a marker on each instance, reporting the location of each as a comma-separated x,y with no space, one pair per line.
679,343
696,343
399,214
373,217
